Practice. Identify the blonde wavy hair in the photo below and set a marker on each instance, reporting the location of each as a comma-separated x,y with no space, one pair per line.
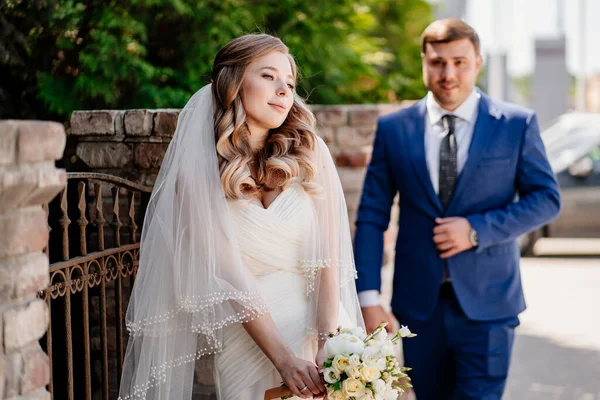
286,156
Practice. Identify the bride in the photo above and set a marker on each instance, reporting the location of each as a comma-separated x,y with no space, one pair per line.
246,248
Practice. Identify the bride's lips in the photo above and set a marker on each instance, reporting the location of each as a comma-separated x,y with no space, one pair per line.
278,107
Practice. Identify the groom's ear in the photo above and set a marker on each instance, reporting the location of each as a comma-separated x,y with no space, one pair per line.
478,62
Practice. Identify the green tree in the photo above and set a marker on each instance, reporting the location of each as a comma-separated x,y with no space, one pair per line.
60,55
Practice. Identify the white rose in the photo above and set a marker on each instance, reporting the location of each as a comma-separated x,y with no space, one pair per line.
376,343
387,349
359,332
391,395
381,364
354,360
331,375
340,362
344,343
381,335
404,331
379,387
353,371
353,387
351,344
370,373
331,347
370,355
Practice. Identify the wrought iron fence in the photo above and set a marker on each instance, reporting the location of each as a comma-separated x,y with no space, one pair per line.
91,274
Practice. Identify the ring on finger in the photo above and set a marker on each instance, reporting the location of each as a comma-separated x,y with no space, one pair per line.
304,388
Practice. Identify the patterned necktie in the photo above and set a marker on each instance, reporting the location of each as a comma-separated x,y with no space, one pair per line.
448,169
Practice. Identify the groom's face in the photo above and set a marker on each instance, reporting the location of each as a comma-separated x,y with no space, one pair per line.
450,71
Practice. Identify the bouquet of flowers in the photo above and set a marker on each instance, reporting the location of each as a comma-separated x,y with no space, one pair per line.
360,366
364,367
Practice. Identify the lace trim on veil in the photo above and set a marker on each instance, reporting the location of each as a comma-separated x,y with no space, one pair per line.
311,267
252,303
253,307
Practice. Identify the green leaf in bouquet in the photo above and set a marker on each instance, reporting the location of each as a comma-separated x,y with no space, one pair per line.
327,363
337,385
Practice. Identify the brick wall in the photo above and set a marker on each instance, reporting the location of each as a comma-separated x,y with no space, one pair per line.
28,179
132,143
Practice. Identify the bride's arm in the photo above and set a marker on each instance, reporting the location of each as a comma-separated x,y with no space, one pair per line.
335,282
295,372
328,302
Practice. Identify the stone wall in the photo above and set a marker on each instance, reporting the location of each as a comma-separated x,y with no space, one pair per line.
28,179
132,143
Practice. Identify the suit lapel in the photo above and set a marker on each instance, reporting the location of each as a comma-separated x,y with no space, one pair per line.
488,119
416,145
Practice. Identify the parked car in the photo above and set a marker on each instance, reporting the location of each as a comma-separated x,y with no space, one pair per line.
573,148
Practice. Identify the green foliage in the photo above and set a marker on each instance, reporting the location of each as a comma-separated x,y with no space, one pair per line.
60,55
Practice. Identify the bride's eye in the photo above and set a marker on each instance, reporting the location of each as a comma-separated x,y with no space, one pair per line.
268,76
292,87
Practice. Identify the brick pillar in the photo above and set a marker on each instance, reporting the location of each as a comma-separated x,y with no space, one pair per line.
28,179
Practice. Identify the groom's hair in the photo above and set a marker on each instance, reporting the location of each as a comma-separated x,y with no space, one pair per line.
449,30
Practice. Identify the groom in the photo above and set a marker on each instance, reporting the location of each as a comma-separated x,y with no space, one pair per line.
472,175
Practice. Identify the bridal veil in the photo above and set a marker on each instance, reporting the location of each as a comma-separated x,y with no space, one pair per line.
191,280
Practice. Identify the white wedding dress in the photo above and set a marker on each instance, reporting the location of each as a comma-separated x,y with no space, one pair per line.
271,242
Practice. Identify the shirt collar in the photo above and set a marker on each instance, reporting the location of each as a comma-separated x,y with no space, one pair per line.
467,111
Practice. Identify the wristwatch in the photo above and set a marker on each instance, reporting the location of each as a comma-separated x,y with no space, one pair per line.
473,238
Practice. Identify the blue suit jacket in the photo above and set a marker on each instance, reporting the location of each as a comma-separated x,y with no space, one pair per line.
506,189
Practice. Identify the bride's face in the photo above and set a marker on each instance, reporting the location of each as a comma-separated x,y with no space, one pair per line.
268,92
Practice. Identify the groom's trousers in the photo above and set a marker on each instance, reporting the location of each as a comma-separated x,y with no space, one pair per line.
455,358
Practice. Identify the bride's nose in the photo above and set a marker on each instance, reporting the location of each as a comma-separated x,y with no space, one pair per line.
282,91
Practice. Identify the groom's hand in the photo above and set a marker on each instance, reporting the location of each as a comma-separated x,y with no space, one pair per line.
374,316
451,236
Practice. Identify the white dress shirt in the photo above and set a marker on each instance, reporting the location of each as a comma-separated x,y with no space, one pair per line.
434,133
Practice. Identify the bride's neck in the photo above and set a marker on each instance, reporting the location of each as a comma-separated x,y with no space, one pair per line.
258,137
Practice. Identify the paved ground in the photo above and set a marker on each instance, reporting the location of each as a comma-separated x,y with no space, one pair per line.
557,350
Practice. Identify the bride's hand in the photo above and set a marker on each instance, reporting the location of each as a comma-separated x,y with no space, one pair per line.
301,377
320,358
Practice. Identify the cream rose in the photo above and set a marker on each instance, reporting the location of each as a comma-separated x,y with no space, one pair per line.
370,373
368,395
354,360
391,395
340,362
353,387
353,371
336,395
